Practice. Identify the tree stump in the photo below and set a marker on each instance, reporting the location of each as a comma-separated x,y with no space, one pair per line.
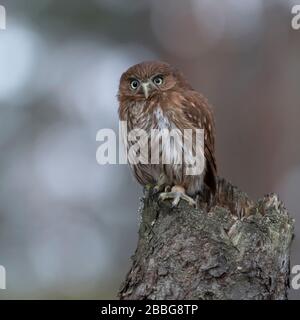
228,248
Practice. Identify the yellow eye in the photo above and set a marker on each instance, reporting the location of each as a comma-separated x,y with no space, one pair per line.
134,84
158,80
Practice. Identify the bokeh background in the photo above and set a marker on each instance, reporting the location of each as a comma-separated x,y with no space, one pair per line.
68,225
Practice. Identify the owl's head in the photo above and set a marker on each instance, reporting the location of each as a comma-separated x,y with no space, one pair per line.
146,79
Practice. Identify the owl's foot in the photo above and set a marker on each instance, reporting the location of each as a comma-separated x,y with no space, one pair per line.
161,185
177,193
160,188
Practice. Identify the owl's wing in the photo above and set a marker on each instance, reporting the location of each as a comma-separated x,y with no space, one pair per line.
198,113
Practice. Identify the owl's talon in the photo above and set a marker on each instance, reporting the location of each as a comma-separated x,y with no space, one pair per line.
160,188
167,188
161,184
175,201
157,189
177,196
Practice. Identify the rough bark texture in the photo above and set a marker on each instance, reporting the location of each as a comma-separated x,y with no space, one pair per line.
231,249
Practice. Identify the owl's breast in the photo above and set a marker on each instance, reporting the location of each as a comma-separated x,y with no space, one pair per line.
171,145
139,117
160,119
148,116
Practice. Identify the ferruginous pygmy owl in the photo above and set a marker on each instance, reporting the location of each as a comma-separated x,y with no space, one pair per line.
154,95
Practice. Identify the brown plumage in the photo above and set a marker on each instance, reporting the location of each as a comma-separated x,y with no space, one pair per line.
154,95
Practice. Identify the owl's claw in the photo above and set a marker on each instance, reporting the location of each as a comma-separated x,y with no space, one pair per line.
159,188
177,194
168,189
161,184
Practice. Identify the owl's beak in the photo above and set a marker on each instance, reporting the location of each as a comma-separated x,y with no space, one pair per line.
146,89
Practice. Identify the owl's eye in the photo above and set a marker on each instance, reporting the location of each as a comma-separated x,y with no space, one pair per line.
158,80
134,84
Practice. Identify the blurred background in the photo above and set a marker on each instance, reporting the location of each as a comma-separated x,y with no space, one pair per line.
68,225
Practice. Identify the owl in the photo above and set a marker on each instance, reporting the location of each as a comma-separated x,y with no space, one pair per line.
155,95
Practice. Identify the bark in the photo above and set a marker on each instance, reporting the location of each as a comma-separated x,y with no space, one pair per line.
232,248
